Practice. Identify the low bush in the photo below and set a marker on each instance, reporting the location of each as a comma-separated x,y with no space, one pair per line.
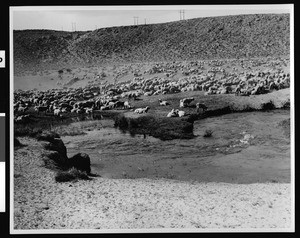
268,106
49,136
26,130
121,122
286,105
208,133
72,174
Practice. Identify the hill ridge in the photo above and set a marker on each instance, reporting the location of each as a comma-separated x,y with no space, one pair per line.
234,36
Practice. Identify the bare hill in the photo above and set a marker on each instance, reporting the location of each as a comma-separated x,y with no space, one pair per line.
260,35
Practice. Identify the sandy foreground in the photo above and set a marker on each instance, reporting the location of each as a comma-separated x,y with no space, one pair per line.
41,203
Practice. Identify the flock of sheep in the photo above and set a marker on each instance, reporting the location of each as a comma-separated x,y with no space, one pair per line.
116,96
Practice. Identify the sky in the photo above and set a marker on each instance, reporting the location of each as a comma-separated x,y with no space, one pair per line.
94,17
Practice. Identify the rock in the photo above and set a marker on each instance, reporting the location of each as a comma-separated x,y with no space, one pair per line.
81,161
55,160
56,145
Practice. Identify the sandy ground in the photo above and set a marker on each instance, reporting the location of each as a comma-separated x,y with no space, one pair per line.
41,203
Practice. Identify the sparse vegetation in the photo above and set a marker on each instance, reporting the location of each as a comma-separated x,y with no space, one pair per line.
243,36
72,174
208,133
268,106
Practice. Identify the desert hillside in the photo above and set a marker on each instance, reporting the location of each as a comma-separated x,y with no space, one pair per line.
259,35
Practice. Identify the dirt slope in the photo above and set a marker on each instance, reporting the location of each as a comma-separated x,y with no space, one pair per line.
260,35
41,203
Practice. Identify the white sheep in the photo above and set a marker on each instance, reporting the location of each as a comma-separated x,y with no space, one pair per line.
22,109
39,109
172,113
56,112
163,103
185,102
126,105
89,110
180,113
142,110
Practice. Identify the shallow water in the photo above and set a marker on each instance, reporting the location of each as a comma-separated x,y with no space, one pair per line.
244,148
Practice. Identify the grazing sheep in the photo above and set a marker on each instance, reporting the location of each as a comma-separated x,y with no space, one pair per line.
23,119
89,110
185,102
80,111
180,113
126,105
39,109
163,103
22,109
74,110
119,104
56,112
142,110
238,90
148,93
102,108
172,113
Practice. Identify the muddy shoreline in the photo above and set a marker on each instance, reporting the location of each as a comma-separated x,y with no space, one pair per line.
105,204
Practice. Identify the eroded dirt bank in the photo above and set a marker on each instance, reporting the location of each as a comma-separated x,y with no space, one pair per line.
40,203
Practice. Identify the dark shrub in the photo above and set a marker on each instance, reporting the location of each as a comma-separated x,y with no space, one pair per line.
72,174
286,105
160,127
57,145
121,122
208,133
248,108
268,106
218,112
17,142
80,161
55,160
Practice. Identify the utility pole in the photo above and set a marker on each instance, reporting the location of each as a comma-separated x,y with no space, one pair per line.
73,26
181,12
136,20
145,21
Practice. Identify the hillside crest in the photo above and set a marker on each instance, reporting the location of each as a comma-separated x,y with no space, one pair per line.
241,36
